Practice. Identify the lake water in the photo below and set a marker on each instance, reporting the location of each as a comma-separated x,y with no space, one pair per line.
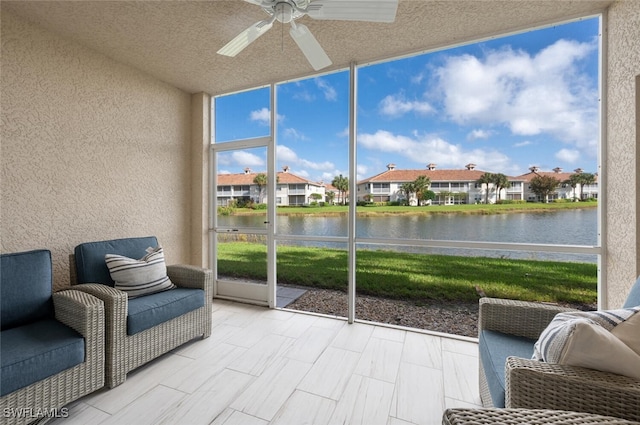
571,227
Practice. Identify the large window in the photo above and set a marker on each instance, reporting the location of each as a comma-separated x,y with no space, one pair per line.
466,171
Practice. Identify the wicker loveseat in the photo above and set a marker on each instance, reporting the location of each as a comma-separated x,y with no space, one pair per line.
508,330
143,328
51,345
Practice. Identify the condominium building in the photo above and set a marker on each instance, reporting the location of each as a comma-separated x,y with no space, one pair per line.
461,186
291,189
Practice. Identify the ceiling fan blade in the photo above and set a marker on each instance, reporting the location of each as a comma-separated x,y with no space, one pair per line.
312,50
354,10
258,2
245,38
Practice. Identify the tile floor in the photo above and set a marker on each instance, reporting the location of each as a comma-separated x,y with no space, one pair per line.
263,366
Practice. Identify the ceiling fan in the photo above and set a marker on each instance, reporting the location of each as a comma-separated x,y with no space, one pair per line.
288,11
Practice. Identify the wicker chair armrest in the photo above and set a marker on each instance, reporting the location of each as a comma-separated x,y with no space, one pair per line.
80,311
532,384
515,317
187,276
85,314
115,313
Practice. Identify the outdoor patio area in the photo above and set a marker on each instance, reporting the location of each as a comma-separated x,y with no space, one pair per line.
263,366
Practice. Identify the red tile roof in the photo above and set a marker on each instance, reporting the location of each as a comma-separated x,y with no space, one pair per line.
461,175
247,179
560,176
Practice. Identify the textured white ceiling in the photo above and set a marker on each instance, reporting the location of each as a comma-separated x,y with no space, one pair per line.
176,41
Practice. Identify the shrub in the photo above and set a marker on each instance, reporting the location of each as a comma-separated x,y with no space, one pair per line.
511,201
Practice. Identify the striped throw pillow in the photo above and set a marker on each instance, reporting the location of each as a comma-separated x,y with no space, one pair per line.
588,339
145,276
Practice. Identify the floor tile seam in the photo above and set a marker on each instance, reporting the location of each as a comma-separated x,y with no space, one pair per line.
373,378
470,356
216,374
437,369
334,401
239,411
99,409
461,400
172,406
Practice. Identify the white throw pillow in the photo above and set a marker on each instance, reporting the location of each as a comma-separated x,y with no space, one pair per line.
587,339
629,332
145,276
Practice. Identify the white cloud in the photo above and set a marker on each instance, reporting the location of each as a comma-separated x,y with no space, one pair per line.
246,159
424,149
417,79
479,134
531,95
286,155
568,155
292,133
299,165
522,144
328,91
395,106
263,116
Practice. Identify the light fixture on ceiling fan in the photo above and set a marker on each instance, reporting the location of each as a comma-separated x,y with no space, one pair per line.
288,11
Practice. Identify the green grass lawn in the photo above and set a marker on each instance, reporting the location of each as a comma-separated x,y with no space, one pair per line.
424,210
416,277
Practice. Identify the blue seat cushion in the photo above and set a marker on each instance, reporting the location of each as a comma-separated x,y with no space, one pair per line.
633,299
494,348
90,264
151,310
37,351
25,288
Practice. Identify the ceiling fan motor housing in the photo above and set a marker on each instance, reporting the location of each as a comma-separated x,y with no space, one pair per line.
285,11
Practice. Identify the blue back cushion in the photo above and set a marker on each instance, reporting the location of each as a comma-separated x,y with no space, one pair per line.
633,299
90,264
26,284
494,348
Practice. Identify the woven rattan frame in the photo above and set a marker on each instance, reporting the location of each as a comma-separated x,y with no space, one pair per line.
85,314
127,352
512,317
536,385
526,416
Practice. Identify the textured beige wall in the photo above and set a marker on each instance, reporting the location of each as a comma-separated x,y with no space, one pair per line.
90,149
201,144
623,239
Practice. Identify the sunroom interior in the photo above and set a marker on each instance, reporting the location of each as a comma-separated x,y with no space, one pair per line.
106,134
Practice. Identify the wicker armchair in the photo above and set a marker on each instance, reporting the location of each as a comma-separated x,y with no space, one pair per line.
526,416
46,397
125,351
532,384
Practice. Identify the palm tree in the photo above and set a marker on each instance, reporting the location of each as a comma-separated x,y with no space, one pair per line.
342,184
500,181
485,179
330,196
408,189
573,181
421,185
261,181
585,179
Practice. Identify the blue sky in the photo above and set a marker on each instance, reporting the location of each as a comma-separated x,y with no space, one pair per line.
505,105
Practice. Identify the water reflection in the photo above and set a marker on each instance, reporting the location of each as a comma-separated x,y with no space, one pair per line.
572,227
